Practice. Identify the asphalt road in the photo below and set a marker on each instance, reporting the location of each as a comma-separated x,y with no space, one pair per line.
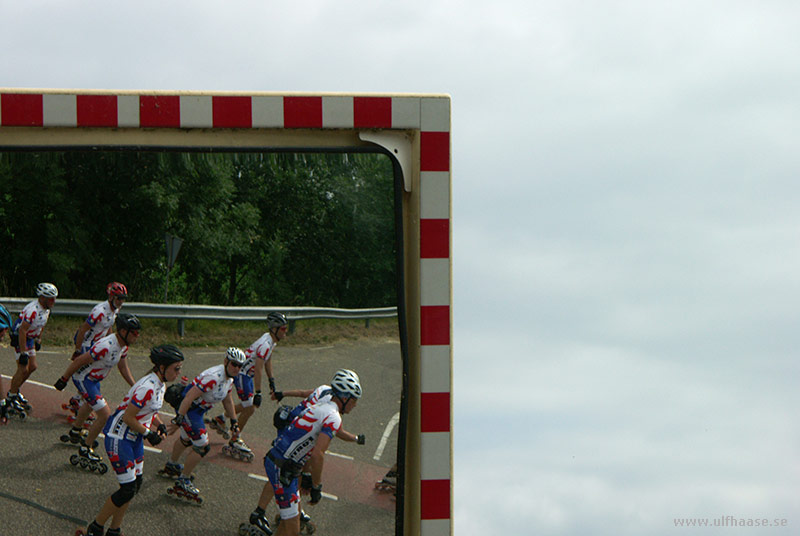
42,494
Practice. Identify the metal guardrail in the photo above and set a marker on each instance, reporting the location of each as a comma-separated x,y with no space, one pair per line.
208,312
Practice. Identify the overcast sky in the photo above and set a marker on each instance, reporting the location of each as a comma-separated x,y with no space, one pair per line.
625,218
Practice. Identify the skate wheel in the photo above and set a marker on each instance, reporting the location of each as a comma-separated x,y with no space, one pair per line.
84,462
64,438
22,416
102,469
243,530
74,459
309,529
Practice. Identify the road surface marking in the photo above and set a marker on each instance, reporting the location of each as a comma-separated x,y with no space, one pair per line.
386,433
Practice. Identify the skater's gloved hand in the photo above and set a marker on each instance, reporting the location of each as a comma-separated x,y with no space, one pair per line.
61,383
153,438
272,384
316,494
162,430
361,439
179,419
257,399
277,395
37,345
23,359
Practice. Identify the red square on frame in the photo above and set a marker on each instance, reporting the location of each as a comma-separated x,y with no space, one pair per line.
435,412
232,112
434,238
302,112
372,112
435,499
434,151
97,110
159,111
21,110
434,325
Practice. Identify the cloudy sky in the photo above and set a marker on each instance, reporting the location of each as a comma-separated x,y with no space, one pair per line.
625,214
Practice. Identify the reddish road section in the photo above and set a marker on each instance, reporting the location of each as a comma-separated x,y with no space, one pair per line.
344,478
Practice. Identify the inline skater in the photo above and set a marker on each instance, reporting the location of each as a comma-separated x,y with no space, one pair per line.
135,419
5,325
87,371
211,386
311,397
96,326
26,338
248,384
305,440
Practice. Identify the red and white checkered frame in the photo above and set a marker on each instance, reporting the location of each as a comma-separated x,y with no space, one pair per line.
428,118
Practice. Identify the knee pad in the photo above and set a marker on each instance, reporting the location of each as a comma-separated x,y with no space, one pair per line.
202,451
186,442
138,483
124,494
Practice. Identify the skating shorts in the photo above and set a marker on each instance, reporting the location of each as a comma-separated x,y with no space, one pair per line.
287,498
244,388
30,349
126,457
194,428
90,392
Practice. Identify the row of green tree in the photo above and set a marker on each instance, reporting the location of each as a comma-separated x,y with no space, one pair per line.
257,228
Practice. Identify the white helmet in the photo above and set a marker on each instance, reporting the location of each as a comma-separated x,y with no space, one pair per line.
235,355
48,290
345,382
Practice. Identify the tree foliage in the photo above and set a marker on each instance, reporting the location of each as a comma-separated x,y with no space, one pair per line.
258,228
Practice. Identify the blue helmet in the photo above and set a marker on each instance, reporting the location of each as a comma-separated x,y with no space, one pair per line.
5,318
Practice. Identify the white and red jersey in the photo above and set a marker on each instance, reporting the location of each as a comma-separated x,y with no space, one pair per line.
100,321
296,441
106,354
214,384
36,316
321,394
148,395
261,349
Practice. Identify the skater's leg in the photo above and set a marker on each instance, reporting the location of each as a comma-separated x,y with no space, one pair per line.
244,416
178,447
267,494
289,527
97,427
192,459
83,414
17,379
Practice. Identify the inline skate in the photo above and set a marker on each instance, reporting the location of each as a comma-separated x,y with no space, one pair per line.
89,460
14,409
184,489
24,402
92,530
218,425
75,436
388,483
259,526
238,450
171,470
306,526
